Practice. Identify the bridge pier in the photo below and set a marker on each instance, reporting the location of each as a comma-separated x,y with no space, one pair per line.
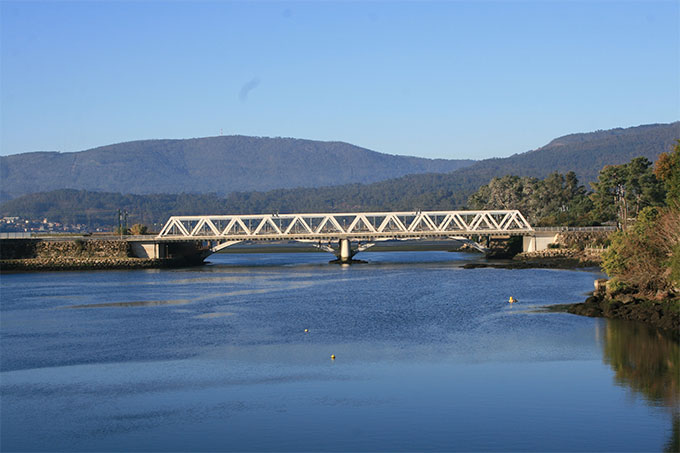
345,255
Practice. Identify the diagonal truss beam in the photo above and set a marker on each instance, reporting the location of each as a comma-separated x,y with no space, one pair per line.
374,225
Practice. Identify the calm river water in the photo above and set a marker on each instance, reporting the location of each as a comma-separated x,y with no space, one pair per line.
429,357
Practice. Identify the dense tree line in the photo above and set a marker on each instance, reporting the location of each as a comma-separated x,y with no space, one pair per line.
555,200
644,258
620,193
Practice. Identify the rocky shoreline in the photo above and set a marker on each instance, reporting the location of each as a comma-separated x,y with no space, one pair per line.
664,315
548,259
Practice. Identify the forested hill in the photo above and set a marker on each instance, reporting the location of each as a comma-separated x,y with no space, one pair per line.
585,154
208,165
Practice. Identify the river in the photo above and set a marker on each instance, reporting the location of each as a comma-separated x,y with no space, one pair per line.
236,355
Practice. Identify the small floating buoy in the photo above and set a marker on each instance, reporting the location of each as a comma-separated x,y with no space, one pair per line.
332,356
306,330
512,300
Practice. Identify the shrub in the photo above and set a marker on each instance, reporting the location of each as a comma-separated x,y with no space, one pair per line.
645,256
138,228
616,286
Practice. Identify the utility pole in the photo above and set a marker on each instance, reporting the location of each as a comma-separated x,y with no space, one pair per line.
623,205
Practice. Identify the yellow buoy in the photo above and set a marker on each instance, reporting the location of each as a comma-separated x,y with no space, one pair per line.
306,330
511,300
332,356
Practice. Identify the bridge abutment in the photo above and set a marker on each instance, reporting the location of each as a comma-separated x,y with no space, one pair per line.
538,241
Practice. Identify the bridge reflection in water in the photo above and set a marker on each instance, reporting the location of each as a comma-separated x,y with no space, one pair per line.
336,232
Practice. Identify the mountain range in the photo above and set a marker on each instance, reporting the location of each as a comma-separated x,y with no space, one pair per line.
208,165
584,153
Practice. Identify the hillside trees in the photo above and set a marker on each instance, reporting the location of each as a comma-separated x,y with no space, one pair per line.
667,169
556,200
645,258
622,191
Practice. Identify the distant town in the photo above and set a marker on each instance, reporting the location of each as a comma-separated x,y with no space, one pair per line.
22,225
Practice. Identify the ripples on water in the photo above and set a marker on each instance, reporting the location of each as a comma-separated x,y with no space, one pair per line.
429,356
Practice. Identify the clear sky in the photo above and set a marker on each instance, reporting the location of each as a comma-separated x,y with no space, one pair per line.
450,79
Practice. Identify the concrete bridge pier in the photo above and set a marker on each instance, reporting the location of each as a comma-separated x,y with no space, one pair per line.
346,253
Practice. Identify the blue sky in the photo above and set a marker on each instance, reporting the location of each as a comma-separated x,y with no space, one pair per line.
449,79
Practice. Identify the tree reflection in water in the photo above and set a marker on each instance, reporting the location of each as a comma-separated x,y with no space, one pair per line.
648,361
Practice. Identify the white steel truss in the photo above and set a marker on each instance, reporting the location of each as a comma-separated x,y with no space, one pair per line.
364,225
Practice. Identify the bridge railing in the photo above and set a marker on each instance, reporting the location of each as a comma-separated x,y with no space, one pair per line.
590,229
346,225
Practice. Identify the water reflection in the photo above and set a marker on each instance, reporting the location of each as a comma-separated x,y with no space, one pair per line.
140,303
647,361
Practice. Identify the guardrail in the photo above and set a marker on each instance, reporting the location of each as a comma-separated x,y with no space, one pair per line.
582,229
73,236
16,235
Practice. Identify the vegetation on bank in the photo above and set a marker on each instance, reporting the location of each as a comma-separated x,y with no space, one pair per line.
644,258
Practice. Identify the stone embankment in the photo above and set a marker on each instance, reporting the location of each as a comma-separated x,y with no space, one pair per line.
570,249
581,240
72,264
560,258
17,255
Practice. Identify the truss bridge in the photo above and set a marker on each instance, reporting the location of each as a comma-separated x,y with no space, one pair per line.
335,232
